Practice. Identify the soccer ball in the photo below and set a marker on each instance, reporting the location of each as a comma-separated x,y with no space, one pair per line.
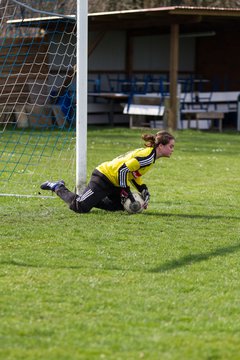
134,207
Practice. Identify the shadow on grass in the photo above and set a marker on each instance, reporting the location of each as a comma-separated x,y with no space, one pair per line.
195,258
167,266
190,216
47,266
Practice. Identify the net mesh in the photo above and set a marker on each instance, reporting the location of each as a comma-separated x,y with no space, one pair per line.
37,94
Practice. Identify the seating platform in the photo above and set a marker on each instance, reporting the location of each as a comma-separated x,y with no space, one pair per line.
199,115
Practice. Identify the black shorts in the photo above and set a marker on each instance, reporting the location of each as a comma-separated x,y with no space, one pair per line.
99,193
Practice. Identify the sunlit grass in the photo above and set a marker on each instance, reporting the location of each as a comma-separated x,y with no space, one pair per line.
159,285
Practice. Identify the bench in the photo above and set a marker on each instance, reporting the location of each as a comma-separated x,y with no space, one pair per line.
142,110
142,106
199,115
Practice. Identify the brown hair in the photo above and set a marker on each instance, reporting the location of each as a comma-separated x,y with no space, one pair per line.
162,137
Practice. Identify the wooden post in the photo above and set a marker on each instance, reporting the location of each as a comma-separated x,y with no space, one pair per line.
173,102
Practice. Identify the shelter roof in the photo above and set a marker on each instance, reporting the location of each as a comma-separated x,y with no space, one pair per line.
190,19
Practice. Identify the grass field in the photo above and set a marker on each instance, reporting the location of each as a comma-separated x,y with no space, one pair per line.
161,285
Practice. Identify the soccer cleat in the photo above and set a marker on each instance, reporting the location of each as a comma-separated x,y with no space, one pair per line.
48,185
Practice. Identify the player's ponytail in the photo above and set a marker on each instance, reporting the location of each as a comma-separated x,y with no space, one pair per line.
162,137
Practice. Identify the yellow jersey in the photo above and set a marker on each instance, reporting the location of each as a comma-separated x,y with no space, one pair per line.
128,168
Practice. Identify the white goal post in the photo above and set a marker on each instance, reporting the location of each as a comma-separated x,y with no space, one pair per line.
82,70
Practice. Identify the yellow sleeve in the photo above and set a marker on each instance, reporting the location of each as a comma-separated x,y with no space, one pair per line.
132,164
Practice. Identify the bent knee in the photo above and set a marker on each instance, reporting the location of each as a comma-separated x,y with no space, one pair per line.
77,206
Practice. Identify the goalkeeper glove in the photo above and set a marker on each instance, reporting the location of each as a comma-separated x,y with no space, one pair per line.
146,197
134,205
125,194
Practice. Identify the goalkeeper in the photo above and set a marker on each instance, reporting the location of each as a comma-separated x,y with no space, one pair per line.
110,182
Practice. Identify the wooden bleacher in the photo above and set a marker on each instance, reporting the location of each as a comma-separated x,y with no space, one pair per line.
24,89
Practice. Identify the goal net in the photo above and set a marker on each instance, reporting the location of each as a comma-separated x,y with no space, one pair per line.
37,94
